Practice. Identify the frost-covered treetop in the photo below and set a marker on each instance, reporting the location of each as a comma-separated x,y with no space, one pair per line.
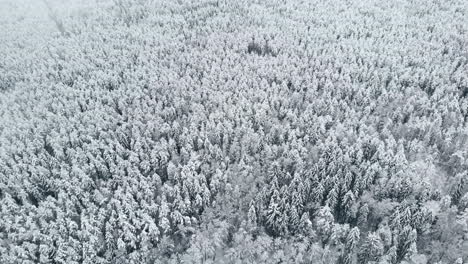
217,131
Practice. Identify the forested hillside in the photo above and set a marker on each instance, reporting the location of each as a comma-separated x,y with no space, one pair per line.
217,131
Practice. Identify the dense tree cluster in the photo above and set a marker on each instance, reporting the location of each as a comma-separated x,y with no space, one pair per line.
215,131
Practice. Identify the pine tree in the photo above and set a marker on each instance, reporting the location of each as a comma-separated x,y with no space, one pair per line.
323,222
352,239
371,250
348,201
293,218
252,214
363,215
305,226
274,215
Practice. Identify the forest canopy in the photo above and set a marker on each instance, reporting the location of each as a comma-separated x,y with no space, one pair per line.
214,131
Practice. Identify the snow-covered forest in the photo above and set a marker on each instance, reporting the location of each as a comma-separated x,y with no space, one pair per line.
246,131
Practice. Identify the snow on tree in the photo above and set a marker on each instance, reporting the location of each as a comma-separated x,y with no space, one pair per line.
233,131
